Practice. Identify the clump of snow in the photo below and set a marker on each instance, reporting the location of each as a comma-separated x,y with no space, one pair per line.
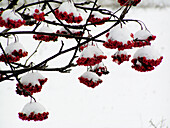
142,35
14,46
69,8
97,15
91,76
72,30
32,78
33,107
90,51
45,29
10,14
148,52
120,34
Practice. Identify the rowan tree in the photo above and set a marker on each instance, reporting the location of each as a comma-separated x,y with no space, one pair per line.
73,21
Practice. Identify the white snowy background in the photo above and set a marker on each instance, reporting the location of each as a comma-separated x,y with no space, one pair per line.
126,98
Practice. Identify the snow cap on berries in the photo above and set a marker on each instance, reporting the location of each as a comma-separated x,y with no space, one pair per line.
90,79
33,78
120,34
14,51
69,8
97,17
146,59
45,38
14,46
76,32
119,37
68,12
11,15
11,19
143,38
33,111
31,82
90,56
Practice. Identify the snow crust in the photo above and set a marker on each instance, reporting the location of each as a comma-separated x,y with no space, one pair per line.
69,8
120,34
31,78
72,30
14,46
11,15
90,51
91,76
45,29
148,52
97,15
142,35
33,107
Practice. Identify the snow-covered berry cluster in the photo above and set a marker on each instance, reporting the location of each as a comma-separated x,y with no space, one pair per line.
118,37
68,12
11,19
97,18
120,56
31,82
33,111
39,16
143,38
44,37
129,2
90,79
75,32
146,59
91,56
14,51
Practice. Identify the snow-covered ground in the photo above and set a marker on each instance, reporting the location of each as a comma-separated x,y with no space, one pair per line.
126,98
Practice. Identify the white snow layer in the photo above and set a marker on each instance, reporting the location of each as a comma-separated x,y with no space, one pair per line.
14,46
31,78
90,51
142,35
11,15
45,29
69,8
33,107
120,34
97,15
91,76
148,51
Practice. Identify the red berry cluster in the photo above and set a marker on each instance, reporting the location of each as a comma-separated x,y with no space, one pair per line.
127,2
38,16
45,38
145,64
14,57
89,83
142,43
90,61
30,88
80,33
69,18
11,23
98,21
120,58
32,116
117,44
